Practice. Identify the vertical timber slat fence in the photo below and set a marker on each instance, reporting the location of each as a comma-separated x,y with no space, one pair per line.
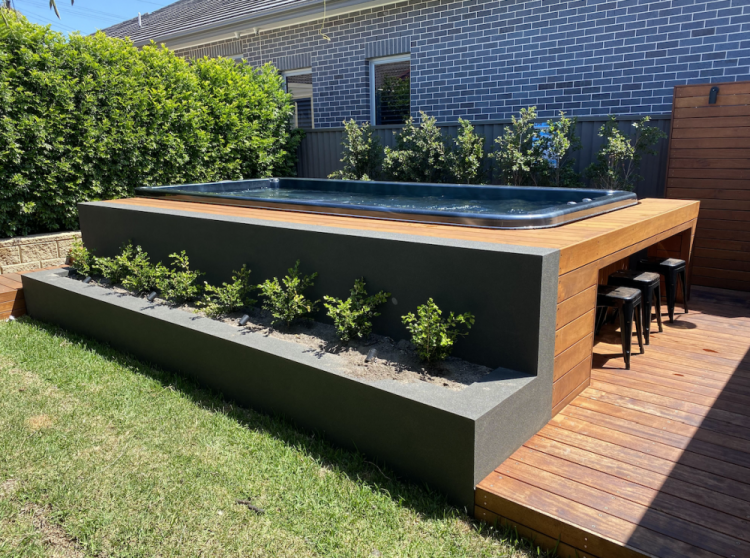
320,151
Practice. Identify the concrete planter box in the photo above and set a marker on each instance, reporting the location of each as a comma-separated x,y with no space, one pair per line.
449,439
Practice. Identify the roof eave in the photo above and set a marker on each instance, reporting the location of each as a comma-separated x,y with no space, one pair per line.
265,20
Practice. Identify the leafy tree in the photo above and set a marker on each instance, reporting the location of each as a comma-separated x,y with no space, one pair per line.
363,153
432,335
92,117
353,316
617,163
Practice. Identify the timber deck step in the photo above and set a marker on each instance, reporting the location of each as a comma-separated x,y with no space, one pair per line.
652,461
12,302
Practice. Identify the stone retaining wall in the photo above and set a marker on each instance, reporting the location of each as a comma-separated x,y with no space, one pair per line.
25,253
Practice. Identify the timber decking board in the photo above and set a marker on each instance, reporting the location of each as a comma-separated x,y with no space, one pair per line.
654,461
12,302
580,243
709,158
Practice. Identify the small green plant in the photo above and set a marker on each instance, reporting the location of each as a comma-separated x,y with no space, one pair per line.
179,285
229,297
285,300
616,166
421,153
467,156
432,335
117,269
82,261
363,153
560,142
353,316
143,276
520,151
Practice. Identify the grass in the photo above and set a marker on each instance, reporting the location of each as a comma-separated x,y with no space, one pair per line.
103,455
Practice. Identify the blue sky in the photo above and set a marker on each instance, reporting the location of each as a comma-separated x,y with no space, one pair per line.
85,16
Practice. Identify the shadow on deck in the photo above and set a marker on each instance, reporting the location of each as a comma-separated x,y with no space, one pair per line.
652,461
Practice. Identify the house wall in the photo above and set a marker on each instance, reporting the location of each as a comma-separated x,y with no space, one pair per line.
485,60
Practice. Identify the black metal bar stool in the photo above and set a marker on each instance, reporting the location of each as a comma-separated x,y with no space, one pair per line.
648,283
672,269
627,300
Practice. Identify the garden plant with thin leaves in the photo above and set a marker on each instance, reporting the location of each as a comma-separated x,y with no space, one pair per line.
432,335
179,283
353,316
617,163
221,300
285,299
362,153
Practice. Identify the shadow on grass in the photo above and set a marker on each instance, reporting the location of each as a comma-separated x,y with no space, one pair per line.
428,503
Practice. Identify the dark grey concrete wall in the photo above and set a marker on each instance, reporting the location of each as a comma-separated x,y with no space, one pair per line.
450,440
503,286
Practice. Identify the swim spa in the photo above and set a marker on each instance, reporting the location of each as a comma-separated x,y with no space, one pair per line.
497,207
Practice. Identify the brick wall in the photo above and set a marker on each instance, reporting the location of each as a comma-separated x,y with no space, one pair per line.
25,253
485,60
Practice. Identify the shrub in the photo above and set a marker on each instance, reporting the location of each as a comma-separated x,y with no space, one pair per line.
91,117
353,316
467,157
431,334
179,285
559,143
117,268
285,300
142,276
363,153
618,160
519,151
421,153
229,297
81,260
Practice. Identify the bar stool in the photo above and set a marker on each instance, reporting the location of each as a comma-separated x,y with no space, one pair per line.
672,269
648,283
627,300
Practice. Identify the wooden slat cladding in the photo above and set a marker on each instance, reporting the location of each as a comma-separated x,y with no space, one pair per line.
709,161
652,461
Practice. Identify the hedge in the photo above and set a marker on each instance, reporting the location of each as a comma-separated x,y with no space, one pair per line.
91,118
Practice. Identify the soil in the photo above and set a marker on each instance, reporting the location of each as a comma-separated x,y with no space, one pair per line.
392,361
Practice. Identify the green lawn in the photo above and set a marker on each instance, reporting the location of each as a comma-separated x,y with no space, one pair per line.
102,455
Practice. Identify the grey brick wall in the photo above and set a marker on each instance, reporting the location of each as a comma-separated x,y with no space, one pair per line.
485,60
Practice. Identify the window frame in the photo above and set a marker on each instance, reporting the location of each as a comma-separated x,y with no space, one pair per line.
300,72
406,57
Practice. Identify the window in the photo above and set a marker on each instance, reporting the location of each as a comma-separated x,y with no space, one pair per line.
390,89
299,84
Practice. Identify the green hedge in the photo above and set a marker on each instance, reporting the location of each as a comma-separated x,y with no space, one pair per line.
89,118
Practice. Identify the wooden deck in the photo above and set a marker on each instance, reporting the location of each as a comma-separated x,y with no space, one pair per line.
654,461
11,296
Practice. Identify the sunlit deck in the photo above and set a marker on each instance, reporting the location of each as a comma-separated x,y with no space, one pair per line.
654,461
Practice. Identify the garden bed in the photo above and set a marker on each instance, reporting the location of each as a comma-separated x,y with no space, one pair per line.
391,360
446,438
